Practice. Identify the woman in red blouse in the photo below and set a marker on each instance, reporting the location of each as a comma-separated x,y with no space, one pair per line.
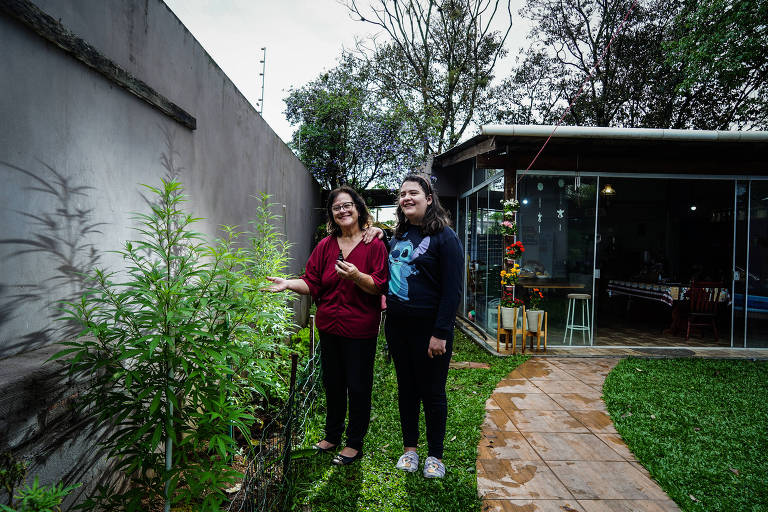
346,278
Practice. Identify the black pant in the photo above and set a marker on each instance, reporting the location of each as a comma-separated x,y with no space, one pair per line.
347,371
420,380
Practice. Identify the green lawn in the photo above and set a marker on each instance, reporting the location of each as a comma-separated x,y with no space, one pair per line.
373,483
699,426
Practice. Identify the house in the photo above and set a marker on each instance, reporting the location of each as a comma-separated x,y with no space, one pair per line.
631,217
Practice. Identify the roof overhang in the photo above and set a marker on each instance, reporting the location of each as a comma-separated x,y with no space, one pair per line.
585,148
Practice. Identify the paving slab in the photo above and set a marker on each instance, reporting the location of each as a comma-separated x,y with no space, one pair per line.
548,444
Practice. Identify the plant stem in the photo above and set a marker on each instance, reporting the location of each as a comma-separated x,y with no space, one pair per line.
168,448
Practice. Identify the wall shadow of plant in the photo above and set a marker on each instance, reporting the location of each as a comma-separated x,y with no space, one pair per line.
61,234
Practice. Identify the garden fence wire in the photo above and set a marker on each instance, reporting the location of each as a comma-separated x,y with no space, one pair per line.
264,486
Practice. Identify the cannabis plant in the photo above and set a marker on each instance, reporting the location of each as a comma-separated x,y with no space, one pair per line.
177,345
40,498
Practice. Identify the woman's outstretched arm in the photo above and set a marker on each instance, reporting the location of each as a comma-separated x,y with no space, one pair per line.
280,285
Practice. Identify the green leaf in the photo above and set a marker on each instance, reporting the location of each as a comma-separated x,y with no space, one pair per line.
155,402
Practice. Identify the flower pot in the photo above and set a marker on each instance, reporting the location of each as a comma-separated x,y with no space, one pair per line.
508,317
532,319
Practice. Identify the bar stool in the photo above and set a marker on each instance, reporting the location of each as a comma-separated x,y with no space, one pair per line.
570,321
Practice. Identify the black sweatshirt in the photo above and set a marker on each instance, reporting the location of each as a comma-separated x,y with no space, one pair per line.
425,277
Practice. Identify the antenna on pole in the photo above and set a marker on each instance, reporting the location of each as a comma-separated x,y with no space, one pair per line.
263,62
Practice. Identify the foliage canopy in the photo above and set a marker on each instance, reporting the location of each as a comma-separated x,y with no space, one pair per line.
674,64
437,61
346,133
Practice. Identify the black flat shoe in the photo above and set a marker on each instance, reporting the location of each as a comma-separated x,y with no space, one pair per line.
343,460
320,449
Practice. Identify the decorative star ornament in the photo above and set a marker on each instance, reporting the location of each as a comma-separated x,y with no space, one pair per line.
560,213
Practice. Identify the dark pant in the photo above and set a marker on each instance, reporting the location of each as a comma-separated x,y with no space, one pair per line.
347,371
420,380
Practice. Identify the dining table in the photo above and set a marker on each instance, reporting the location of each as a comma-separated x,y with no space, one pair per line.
545,284
673,295
665,293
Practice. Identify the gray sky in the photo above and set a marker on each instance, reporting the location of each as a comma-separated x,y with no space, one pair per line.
302,37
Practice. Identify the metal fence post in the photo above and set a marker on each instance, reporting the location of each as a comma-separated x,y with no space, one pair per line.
289,421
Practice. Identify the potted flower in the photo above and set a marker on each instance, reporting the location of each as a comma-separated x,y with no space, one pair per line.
508,225
514,252
509,277
508,228
533,311
510,206
509,307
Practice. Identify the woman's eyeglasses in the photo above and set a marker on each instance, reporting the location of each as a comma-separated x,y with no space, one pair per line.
343,206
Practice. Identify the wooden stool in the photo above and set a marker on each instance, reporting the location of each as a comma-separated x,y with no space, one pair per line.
541,330
507,333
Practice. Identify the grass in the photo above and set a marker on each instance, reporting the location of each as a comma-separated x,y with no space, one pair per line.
700,427
373,483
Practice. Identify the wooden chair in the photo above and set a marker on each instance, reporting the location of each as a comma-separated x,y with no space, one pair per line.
507,333
541,330
703,298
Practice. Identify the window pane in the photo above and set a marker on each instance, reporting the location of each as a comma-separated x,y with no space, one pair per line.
757,279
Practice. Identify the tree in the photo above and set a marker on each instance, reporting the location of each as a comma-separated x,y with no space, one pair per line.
721,48
644,79
437,62
530,95
570,43
347,134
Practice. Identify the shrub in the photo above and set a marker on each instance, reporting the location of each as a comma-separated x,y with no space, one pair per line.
177,351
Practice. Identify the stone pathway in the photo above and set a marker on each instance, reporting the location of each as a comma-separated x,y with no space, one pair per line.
549,445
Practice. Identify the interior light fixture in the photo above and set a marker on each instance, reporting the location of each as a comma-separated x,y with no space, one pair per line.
608,190
525,201
693,207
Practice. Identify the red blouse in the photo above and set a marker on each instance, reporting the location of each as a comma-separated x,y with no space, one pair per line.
343,308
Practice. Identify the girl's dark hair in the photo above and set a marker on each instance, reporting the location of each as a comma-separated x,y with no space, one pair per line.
435,218
363,216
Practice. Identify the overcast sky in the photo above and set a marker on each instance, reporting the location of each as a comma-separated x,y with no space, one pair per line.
302,38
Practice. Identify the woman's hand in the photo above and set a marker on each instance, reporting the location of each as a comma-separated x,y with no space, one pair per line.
436,347
279,284
347,270
371,233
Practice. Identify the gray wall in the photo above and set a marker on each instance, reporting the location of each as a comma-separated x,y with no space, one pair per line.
74,148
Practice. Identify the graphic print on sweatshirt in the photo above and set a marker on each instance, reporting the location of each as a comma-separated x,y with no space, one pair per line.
401,265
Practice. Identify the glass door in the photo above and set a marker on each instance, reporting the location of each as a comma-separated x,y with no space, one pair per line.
556,226
657,237
756,273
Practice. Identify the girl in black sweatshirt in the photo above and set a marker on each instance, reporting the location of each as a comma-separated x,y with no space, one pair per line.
426,264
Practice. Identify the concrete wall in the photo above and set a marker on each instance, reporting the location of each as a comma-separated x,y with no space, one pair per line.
74,148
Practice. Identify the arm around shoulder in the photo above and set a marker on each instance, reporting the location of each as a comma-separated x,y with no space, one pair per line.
379,265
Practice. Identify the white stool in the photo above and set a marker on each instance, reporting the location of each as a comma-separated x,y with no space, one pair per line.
570,321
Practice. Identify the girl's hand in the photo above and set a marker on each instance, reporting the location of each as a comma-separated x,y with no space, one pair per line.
279,284
347,270
436,347
371,233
